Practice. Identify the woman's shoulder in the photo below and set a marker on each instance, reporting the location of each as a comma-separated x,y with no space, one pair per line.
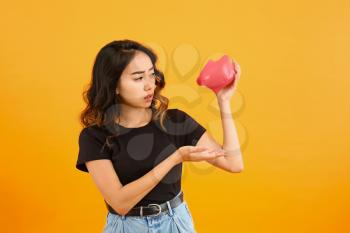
178,115
96,132
92,129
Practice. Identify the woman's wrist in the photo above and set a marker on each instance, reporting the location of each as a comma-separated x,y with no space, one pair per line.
176,157
222,101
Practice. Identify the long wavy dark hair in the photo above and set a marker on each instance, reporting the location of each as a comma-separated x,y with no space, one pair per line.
101,99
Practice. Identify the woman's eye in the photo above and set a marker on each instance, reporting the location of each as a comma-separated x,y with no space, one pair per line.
153,75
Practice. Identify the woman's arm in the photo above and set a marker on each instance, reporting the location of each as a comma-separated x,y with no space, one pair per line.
138,189
232,161
123,198
231,142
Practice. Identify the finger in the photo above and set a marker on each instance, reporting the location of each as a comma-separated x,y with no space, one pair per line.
219,153
213,153
198,148
202,152
217,156
239,70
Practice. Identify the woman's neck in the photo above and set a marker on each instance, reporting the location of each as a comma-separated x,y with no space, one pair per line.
134,117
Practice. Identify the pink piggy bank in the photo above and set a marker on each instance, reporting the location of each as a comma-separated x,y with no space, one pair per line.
217,74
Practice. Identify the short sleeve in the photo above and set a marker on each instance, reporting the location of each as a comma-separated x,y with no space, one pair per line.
91,147
192,129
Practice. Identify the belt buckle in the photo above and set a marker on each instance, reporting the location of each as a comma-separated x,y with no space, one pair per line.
160,209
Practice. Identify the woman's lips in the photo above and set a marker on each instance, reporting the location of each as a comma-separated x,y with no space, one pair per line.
148,98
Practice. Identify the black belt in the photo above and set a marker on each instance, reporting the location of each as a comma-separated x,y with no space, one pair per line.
151,209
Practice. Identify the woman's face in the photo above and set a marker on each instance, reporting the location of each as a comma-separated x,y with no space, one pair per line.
137,81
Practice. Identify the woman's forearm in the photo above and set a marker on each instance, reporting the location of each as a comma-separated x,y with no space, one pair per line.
130,194
231,143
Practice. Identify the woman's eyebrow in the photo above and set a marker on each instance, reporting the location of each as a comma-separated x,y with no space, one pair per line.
141,72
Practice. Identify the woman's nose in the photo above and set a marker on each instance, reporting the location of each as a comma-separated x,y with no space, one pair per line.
149,86
149,83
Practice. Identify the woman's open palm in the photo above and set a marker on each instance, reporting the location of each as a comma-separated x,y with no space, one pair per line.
199,153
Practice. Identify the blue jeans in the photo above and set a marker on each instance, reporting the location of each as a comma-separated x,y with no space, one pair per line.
176,220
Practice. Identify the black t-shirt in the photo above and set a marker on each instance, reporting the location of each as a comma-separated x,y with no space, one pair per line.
140,149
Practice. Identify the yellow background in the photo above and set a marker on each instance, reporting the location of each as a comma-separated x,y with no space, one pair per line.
291,108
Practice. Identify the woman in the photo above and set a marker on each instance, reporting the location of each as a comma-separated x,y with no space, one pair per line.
133,146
